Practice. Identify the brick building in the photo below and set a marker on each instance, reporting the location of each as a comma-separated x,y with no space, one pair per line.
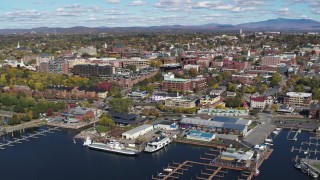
298,99
270,60
57,66
243,79
93,70
176,84
239,66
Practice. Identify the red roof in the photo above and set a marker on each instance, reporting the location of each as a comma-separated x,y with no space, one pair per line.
258,99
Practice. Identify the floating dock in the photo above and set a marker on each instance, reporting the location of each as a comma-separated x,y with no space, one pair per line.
26,138
210,170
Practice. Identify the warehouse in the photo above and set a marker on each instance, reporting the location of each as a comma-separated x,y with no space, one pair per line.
138,131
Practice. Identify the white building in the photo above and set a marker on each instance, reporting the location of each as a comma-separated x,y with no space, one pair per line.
191,66
167,125
138,131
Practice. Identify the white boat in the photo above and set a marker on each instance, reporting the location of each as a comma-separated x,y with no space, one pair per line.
297,166
113,147
268,140
256,172
269,144
276,132
278,129
157,144
168,170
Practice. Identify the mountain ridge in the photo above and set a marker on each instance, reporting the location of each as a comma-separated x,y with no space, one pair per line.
279,24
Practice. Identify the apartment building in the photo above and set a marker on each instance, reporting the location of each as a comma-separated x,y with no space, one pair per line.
298,99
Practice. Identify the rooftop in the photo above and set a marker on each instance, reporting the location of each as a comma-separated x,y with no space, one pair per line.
177,80
298,94
138,129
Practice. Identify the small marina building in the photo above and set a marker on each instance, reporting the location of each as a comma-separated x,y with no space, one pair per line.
218,124
167,125
200,136
138,131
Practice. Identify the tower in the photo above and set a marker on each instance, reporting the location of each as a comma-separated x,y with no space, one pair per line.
18,46
240,31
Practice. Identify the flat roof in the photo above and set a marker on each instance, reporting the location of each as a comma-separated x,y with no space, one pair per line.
225,119
177,80
138,129
201,122
298,94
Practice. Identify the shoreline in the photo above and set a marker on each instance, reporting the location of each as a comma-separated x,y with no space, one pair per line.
9,129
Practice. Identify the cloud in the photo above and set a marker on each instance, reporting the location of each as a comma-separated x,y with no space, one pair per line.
283,10
113,1
137,3
240,9
249,2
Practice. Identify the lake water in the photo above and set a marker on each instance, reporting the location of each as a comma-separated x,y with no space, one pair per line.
56,157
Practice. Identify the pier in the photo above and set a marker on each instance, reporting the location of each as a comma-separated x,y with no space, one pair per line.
200,144
294,138
258,134
211,169
26,138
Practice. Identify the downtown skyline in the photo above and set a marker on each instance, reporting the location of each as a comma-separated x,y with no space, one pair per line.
126,13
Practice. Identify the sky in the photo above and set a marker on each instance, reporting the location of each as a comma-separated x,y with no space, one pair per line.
23,14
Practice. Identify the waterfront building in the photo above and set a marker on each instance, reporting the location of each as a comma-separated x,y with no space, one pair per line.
167,125
200,136
298,99
218,124
138,131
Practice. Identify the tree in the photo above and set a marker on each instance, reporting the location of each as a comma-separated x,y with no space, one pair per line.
132,67
216,86
232,87
275,79
14,120
18,108
299,88
234,102
106,120
193,72
274,107
120,105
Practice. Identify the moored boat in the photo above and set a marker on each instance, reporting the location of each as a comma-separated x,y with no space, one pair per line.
112,146
157,144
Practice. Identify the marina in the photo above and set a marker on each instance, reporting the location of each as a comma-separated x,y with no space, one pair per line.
76,162
26,137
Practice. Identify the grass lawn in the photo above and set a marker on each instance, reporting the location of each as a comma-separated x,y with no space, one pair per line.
102,129
317,165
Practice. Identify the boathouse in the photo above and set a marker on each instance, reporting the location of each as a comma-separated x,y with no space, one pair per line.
197,135
138,131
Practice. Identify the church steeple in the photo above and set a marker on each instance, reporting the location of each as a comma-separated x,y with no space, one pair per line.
18,46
